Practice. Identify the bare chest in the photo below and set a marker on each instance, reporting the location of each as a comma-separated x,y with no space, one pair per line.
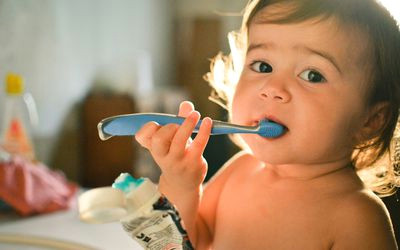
251,217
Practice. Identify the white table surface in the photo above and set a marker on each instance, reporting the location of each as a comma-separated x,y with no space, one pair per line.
66,226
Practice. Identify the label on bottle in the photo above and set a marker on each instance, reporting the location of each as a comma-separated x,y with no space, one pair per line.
159,229
16,140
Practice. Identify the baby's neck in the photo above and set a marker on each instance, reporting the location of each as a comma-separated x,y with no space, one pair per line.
309,172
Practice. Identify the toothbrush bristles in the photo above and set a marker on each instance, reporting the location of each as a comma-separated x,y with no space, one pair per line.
270,129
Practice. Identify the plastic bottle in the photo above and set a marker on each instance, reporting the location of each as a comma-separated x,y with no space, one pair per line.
145,214
18,117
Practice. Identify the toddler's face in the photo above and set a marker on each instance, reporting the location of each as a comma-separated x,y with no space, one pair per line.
313,78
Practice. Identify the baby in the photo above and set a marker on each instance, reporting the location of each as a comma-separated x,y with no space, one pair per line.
328,71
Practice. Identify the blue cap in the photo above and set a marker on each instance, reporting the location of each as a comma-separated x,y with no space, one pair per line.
127,183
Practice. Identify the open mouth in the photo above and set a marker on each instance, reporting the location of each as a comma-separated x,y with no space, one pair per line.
273,128
279,123
271,119
284,130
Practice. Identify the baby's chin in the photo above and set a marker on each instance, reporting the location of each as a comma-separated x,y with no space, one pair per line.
273,158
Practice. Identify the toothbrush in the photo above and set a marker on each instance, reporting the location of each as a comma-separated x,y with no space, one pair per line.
128,125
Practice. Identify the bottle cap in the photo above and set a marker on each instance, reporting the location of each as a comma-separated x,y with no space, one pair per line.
102,205
140,193
14,84
127,183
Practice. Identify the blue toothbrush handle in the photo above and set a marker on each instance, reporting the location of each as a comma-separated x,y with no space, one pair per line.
128,125
221,128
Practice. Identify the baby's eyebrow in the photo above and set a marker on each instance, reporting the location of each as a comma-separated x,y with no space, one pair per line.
254,46
321,53
305,48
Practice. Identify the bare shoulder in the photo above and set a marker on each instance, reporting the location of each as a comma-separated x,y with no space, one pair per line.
232,165
213,188
362,222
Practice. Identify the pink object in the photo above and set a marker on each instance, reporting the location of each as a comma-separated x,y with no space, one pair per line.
32,188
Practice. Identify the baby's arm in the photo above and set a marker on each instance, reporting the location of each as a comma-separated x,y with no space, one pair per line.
182,165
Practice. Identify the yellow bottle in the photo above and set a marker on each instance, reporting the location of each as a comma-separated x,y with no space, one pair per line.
16,126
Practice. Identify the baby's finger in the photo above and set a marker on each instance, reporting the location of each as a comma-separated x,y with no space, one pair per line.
200,142
181,137
162,139
185,108
143,136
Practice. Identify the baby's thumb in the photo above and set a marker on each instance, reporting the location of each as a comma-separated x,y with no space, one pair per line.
185,108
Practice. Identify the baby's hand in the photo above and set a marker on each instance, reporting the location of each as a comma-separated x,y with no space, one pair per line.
181,159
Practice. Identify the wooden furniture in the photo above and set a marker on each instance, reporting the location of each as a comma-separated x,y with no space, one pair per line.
103,161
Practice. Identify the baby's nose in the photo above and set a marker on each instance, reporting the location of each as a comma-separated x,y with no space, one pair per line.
275,91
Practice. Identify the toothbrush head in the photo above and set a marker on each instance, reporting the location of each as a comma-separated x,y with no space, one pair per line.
270,129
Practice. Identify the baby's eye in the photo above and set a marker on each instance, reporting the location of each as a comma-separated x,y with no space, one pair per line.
262,67
312,76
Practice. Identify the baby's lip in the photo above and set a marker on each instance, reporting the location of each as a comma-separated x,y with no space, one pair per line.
275,120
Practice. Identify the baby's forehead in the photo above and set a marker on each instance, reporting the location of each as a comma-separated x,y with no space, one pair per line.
347,47
344,40
355,38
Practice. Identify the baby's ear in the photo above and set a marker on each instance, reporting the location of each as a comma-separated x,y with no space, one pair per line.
374,121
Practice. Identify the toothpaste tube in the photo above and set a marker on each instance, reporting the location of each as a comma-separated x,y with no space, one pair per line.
147,216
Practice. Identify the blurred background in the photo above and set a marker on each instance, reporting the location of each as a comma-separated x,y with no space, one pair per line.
84,60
